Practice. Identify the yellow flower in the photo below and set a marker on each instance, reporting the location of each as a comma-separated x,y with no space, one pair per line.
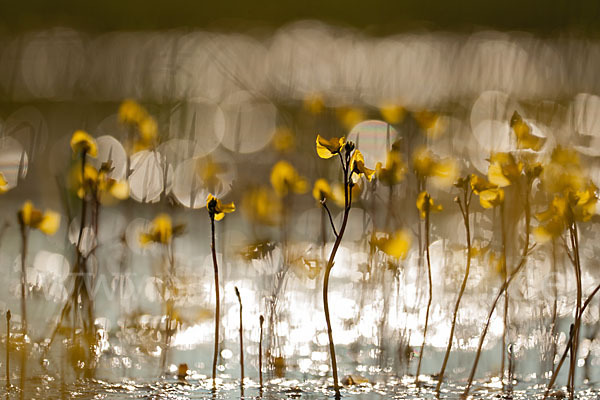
479,184
426,205
47,222
314,103
131,112
284,140
262,205
392,113
525,139
491,197
349,116
357,165
112,190
85,184
161,231
329,148
564,210
82,142
108,190
148,130
564,172
285,179
217,209
396,245
321,190
394,170
585,202
489,194
431,123
553,221
503,169
97,183
427,165
425,119
3,184
208,171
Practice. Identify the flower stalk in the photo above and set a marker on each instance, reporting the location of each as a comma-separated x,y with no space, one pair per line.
237,293
24,239
352,162
260,352
8,316
425,205
217,301
526,250
216,212
464,204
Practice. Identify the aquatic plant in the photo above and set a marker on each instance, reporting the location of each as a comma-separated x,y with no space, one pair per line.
216,212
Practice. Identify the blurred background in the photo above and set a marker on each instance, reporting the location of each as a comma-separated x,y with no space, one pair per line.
236,86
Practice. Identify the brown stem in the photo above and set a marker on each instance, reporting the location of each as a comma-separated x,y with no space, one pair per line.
504,277
504,286
237,293
8,349
168,285
555,305
330,218
217,299
430,289
336,245
24,237
569,344
578,311
260,352
463,286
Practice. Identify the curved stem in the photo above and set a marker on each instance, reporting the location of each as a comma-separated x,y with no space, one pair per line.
326,302
217,300
505,285
430,294
504,278
330,218
461,292
555,304
336,245
578,310
564,356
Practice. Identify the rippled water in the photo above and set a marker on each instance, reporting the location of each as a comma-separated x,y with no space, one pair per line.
47,387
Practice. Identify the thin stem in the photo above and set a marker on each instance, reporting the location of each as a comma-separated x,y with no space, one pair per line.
260,352
505,285
578,311
463,286
430,289
569,344
330,218
217,299
555,305
338,240
24,236
237,293
342,162
8,349
504,277
168,286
